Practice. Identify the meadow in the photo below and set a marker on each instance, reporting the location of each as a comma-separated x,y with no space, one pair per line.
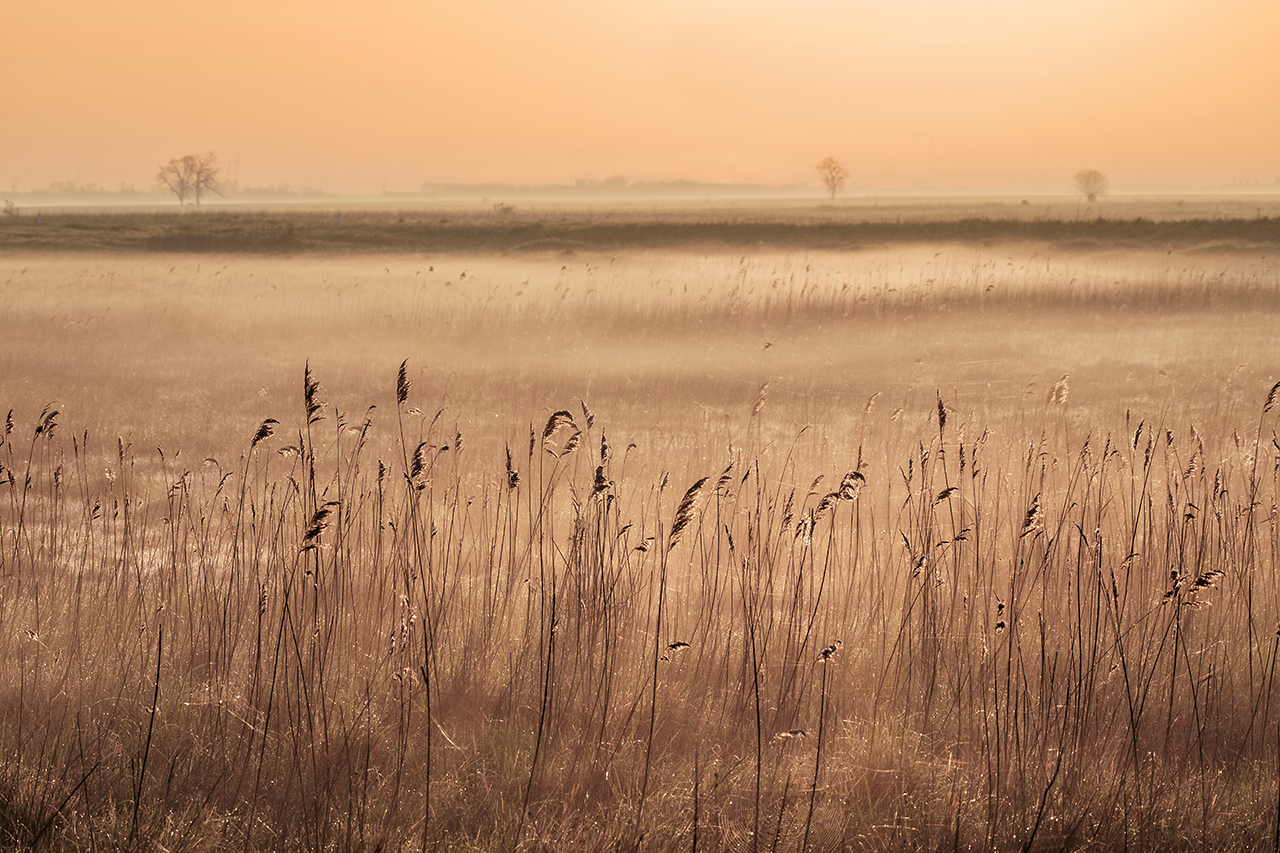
763,531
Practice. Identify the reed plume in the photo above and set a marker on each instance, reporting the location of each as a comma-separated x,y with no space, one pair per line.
402,383
265,430
685,511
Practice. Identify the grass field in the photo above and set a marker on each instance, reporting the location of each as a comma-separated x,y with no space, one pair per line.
540,226
670,531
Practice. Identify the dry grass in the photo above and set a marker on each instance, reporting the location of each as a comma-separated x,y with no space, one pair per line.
579,583
539,226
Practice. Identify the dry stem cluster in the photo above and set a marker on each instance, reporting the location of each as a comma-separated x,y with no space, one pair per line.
361,637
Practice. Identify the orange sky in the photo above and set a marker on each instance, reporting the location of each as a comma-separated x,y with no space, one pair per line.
354,97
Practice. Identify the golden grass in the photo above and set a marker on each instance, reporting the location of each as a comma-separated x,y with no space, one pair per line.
577,581
551,225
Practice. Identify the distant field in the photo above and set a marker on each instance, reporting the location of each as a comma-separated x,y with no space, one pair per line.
1232,224
664,339
734,529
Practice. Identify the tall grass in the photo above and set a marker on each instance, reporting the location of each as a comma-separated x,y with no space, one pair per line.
470,227
215,344
361,636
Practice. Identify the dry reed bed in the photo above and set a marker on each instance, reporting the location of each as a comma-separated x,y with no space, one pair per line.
461,294
461,227
215,343
361,637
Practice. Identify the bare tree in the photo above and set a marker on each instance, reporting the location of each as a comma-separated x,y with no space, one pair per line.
1091,183
175,176
833,174
191,176
205,175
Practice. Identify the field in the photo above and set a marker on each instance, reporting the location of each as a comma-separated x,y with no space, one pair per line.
776,529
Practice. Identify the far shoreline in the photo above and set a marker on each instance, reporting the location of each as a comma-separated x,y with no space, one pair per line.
1236,224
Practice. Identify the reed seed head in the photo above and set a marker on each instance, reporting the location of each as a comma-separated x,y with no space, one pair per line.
402,383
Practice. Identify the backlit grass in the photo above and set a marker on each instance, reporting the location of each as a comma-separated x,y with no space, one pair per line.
767,552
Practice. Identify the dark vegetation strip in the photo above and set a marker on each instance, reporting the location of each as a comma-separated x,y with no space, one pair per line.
308,232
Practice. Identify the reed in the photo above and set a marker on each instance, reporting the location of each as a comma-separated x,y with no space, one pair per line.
1056,619
1118,687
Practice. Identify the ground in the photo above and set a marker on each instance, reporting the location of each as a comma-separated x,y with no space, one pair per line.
323,533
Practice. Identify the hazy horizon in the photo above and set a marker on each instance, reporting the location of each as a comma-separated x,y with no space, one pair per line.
526,515
991,94
622,189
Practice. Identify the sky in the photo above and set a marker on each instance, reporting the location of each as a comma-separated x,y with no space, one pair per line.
361,97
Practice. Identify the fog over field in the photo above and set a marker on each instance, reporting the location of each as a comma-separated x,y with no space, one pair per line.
638,529
167,347
782,426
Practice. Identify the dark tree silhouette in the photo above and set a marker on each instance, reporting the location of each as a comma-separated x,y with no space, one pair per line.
833,174
191,176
